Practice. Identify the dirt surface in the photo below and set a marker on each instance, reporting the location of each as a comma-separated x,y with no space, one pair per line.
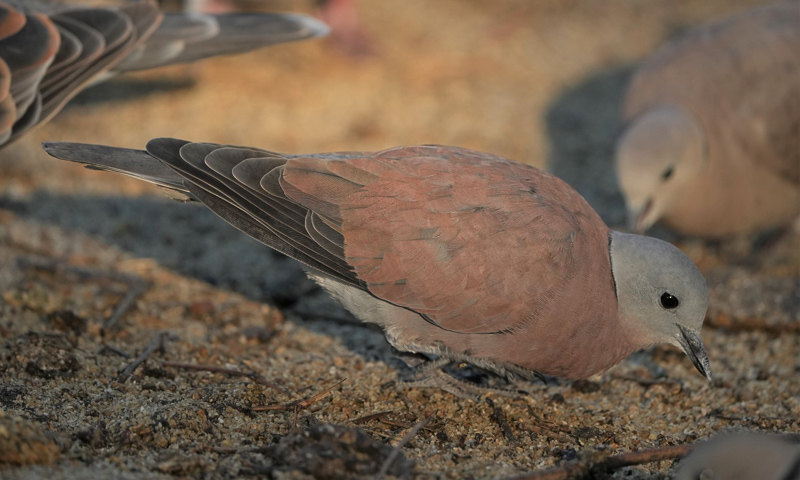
535,81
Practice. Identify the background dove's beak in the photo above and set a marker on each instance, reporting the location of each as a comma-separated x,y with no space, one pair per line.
638,220
693,345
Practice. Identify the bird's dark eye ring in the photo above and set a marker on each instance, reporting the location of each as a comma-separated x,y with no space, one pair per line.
667,173
669,301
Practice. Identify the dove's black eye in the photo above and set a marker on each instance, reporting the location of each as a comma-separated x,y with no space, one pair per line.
667,173
669,301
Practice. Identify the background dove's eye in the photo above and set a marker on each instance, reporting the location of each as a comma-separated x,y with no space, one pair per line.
669,301
667,173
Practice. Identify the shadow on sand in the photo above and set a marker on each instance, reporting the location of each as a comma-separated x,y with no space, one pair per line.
192,241
582,125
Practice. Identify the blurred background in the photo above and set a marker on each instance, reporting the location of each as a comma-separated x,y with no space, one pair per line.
536,81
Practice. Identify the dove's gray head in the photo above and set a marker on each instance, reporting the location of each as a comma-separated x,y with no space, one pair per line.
661,294
658,156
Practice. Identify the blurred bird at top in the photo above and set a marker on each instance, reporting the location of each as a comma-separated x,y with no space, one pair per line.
341,16
49,52
711,146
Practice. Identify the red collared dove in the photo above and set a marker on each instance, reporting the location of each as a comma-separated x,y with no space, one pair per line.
742,456
49,52
712,143
457,254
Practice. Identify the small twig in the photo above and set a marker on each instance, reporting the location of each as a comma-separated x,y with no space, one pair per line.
381,417
394,423
137,285
299,405
545,430
137,288
398,449
377,433
752,324
648,456
115,350
579,469
754,421
548,432
227,371
156,344
372,416
644,381
500,418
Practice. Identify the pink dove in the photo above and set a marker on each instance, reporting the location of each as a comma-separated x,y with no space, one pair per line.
457,254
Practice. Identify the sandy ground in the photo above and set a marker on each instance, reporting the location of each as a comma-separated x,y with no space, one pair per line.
535,81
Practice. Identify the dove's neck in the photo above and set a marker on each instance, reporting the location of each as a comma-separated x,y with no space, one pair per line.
731,197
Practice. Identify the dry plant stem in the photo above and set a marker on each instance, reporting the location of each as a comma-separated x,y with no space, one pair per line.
373,416
549,433
298,405
381,417
500,418
644,381
754,325
577,470
646,456
387,437
394,423
544,430
156,344
226,371
399,448
115,350
137,288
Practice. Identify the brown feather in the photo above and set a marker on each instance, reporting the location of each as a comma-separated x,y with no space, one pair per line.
429,227
11,21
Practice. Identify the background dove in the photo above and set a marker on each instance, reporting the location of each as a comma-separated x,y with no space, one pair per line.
455,253
742,456
49,52
712,143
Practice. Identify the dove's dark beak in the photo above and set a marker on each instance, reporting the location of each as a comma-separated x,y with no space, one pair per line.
693,345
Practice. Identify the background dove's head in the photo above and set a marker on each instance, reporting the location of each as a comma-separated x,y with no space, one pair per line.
658,156
661,294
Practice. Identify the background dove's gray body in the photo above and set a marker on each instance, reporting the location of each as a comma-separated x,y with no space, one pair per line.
50,52
455,253
742,455
712,143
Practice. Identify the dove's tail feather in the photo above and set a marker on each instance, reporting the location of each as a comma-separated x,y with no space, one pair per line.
186,37
135,163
